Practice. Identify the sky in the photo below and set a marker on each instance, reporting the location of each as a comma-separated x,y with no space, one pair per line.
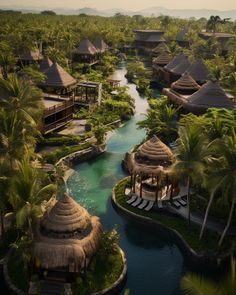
134,5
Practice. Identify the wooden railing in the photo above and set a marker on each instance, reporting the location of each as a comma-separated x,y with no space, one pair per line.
59,107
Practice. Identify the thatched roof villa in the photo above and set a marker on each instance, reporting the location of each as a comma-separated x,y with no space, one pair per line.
45,64
199,71
67,237
181,89
160,48
181,38
146,40
86,52
149,168
210,95
178,59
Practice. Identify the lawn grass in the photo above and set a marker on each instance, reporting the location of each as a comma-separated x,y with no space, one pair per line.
102,273
208,243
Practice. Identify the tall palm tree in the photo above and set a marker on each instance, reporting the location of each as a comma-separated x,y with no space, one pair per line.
28,192
191,155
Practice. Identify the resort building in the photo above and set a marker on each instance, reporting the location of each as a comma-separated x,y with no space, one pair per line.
45,64
87,93
114,80
66,239
86,52
210,95
181,89
148,167
100,45
222,38
177,71
146,40
28,56
57,113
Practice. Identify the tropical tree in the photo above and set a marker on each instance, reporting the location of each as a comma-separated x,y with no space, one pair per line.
214,21
191,155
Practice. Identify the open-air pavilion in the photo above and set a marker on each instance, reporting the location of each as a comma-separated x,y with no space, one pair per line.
149,169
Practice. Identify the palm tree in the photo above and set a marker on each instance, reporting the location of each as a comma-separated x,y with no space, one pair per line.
193,284
191,155
28,192
22,99
213,22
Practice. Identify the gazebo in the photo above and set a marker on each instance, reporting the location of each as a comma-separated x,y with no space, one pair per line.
86,52
210,95
198,71
148,167
58,81
66,238
181,89
171,65
28,56
100,45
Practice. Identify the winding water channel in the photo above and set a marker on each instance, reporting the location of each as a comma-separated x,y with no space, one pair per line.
155,265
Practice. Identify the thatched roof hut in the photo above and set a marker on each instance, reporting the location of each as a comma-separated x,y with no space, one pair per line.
67,236
198,71
163,59
160,48
86,47
181,35
185,84
45,64
57,77
175,61
27,55
151,158
181,67
210,95
100,45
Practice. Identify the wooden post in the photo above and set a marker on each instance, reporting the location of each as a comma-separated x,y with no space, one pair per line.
141,187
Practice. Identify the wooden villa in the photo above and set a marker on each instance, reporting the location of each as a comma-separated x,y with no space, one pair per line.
28,56
86,52
88,92
199,71
181,89
181,38
66,239
146,40
210,95
114,80
45,64
148,167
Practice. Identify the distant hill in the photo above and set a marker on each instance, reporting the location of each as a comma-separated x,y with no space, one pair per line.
151,11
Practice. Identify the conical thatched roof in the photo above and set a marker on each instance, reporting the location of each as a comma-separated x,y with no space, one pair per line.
185,83
198,70
162,47
151,157
86,47
181,67
57,77
30,55
67,236
100,45
163,59
45,64
175,61
210,95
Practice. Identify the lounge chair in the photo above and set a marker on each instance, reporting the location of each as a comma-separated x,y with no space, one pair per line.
143,204
127,191
182,202
132,199
137,202
176,204
149,206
